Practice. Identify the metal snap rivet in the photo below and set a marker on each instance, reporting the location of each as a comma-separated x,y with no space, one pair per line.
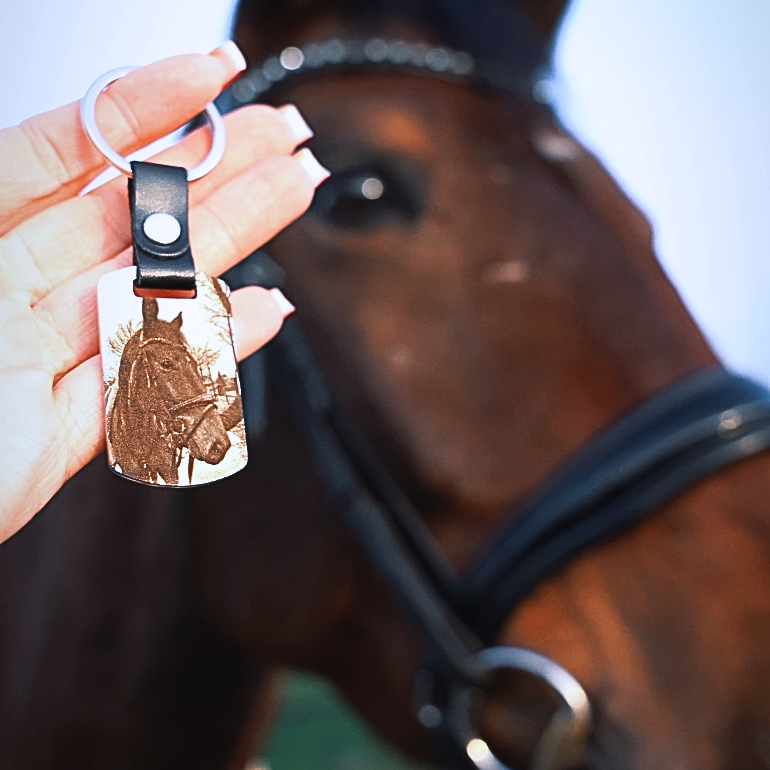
162,228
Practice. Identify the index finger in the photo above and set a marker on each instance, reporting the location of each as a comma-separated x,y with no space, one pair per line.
49,157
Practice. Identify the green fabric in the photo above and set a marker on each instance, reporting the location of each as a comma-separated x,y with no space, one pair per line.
316,730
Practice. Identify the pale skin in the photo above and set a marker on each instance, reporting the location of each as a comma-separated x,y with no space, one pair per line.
55,245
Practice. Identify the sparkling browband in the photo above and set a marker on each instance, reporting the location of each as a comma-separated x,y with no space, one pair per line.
377,52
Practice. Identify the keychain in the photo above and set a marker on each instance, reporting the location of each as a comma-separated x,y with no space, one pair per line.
172,395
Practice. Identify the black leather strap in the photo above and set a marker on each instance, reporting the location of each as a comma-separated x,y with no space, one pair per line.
156,189
300,381
705,422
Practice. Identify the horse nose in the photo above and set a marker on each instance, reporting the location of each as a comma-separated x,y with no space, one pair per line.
217,451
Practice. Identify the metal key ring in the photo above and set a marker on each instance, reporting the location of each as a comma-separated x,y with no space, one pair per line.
88,117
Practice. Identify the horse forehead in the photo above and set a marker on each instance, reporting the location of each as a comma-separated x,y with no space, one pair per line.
393,127
403,113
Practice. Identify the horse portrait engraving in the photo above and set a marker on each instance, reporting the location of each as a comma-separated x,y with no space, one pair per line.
173,404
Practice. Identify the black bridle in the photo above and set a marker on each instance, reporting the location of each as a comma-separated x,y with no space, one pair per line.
682,434
336,55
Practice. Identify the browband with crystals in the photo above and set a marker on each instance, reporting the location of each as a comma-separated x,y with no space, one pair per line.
376,53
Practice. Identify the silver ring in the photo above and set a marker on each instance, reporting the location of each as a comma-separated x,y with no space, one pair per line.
562,744
88,117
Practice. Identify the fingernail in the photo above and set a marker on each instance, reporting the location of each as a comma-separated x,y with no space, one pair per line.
300,130
313,168
231,56
284,305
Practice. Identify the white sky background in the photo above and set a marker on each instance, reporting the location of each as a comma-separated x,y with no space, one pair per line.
673,95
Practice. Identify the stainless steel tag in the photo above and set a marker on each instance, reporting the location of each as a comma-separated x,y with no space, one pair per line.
172,396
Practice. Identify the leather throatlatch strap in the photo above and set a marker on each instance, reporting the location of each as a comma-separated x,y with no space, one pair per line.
161,266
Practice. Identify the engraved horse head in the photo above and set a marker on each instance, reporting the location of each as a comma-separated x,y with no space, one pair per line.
162,404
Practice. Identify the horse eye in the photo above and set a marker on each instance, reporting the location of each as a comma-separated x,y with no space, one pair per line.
363,197
167,363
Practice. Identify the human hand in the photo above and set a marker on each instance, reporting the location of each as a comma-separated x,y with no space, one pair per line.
55,245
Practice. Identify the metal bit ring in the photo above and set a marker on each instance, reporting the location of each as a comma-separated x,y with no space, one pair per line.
88,117
562,744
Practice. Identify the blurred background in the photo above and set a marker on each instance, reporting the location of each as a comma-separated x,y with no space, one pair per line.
674,97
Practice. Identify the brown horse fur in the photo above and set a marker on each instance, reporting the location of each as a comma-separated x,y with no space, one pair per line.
479,336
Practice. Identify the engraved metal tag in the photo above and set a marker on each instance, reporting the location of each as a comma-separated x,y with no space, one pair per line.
172,395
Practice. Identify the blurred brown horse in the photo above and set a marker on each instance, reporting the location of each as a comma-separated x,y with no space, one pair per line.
495,306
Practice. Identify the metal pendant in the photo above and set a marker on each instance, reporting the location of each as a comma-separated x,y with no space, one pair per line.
173,410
